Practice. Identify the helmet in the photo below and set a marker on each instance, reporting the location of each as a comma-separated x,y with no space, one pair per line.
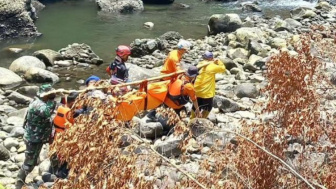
183,44
192,71
92,78
208,55
123,50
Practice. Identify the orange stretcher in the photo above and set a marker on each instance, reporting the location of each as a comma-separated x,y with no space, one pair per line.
148,97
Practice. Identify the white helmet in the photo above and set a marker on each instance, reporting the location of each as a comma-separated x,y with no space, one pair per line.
183,44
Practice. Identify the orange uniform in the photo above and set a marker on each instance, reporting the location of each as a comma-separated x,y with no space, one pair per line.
172,62
180,87
61,118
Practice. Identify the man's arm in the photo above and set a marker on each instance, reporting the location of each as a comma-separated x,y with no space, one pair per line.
217,67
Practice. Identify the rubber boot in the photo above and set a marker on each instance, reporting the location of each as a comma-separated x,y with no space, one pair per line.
20,182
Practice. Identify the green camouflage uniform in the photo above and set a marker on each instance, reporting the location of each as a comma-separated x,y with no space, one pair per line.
38,128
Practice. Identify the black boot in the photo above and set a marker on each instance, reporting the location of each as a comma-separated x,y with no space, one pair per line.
21,178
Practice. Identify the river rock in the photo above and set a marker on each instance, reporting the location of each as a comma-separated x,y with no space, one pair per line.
278,43
151,130
253,59
18,113
17,132
324,5
244,35
17,19
19,157
238,53
302,13
28,90
19,98
120,6
15,121
22,64
148,25
247,90
281,25
6,109
39,75
80,53
44,166
171,36
48,56
199,126
37,5
138,73
223,23
225,104
293,23
251,7
9,78
10,142
4,153
169,147
259,49
141,47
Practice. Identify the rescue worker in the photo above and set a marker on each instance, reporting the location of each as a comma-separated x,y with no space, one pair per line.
60,120
117,70
62,115
205,84
38,129
172,62
90,81
181,89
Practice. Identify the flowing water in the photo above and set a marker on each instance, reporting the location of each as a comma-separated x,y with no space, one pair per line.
66,22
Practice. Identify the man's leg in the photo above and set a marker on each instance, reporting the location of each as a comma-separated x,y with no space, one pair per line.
31,156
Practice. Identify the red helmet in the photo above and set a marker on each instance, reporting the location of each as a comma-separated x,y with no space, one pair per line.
123,50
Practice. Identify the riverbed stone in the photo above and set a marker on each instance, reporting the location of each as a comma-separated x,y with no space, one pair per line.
171,36
225,104
15,121
7,109
120,6
224,23
238,53
28,90
19,98
253,7
10,142
151,130
22,64
80,53
48,56
9,78
302,13
18,113
17,19
169,147
149,25
247,90
37,5
39,75
278,43
245,34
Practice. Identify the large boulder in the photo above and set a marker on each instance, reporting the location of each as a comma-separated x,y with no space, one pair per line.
120,6
48,56
22,64
39,75
170,147
223,23
247,90
80,53
302,13
141,47
151,130
225,104
171,36
238,53
19,98
17,19
138,73
9,78
245,34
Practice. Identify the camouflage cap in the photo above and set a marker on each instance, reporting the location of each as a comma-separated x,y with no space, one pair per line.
44,88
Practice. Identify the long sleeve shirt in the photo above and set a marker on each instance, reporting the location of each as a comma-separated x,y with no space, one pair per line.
205,83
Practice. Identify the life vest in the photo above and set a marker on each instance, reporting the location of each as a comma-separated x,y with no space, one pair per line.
61,118
175,92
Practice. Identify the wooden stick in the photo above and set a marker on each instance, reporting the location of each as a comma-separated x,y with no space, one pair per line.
63,91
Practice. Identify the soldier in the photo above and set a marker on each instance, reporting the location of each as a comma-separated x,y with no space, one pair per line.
38,128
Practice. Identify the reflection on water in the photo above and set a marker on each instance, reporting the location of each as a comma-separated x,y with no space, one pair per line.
66,22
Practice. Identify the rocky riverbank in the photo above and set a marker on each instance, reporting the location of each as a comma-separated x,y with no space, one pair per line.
244,50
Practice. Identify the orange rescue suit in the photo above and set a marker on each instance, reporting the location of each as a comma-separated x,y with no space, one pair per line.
61,118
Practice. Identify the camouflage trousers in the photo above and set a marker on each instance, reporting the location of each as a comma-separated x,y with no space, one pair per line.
32,154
